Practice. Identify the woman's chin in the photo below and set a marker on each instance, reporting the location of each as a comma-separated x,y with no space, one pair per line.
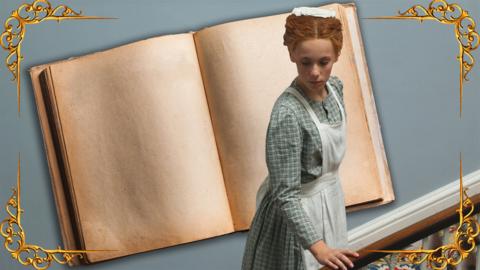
317,86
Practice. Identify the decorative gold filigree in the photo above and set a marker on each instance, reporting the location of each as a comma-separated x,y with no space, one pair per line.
11,39
467,37
464,239
27,254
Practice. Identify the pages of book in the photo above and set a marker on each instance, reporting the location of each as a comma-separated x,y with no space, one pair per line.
138,146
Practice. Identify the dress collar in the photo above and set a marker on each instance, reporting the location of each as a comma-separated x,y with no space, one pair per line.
299,88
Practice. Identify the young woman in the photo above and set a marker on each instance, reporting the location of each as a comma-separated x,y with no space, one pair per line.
300,222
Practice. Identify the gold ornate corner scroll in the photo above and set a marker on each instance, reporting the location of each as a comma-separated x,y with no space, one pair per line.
12,37
15,239
464,240
467,37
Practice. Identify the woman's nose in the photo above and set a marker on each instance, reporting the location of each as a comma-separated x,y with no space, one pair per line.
316,71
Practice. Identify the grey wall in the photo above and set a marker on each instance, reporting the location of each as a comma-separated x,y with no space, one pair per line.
415,80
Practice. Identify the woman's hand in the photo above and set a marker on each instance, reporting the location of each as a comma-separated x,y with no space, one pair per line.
332,257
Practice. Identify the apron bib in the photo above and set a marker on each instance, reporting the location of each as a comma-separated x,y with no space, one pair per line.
323,198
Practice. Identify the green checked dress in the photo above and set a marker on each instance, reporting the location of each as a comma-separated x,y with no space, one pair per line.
281,230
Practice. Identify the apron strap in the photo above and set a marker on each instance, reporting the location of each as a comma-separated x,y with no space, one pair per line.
307,106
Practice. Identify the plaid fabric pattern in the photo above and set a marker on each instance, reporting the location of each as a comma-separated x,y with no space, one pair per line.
280,227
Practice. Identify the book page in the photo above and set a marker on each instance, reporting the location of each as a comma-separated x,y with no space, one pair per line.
246,67
139,148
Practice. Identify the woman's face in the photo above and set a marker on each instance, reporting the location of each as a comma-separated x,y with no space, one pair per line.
314,59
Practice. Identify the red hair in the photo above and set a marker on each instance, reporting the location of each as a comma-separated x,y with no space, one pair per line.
300,28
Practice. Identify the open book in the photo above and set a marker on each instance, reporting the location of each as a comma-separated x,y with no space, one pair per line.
162,141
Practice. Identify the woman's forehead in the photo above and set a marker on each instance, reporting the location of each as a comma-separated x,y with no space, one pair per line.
315,48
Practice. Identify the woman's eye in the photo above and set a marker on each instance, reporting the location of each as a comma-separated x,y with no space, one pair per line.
321,63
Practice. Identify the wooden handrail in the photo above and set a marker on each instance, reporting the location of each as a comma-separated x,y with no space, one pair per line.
412,221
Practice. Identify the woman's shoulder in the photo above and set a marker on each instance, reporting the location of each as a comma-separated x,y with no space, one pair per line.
285,117
336,82
287,103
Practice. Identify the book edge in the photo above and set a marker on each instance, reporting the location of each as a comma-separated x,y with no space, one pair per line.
62,209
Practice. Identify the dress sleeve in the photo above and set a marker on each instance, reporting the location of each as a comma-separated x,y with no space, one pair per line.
283,153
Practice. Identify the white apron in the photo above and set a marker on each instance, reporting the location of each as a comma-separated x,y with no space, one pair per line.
323,199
